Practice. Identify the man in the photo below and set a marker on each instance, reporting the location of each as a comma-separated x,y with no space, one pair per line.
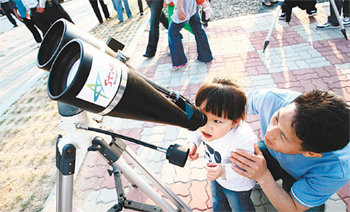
7,8
38,18
306,145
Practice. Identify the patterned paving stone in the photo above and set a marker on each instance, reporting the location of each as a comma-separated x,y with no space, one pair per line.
197,202
260,23
344,69
260,81
285,59
336,51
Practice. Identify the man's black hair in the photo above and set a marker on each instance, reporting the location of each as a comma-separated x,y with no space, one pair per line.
321,121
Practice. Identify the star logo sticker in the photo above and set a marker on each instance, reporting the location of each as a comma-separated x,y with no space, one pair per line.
97,88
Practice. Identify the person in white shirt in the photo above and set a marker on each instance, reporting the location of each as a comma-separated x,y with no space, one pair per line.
39,18
45,12
223,102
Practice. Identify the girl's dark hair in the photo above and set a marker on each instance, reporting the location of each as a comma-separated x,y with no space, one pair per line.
223,98
321,121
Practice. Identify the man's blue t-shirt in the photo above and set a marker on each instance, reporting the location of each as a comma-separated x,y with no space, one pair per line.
317,179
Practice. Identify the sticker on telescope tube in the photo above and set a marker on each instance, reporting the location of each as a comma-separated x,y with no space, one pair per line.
103,80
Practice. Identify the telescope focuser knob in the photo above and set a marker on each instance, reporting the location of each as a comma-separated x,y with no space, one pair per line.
122,57
177,154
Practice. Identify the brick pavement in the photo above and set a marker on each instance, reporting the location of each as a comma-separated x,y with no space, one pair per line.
299,57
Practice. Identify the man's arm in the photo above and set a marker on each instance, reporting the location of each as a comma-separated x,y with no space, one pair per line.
254,167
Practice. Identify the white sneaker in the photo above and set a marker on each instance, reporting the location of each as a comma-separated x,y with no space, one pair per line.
346,21
326,25
312,13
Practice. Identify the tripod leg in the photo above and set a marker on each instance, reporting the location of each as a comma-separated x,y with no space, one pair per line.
65,164
122,201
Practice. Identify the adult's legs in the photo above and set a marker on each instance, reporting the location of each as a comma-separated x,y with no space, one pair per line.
153,35
139,2
164,20
127,8
115,5
6,8
104,9
30,25
118,4
203,48
40,20
96,10
220,202
333,18
346,8
177,52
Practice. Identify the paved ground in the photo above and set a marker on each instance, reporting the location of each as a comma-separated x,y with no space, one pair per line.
299,57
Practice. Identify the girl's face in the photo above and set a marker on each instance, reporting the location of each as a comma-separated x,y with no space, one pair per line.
216,127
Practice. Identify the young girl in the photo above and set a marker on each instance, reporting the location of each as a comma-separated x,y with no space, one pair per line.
223,103
186,11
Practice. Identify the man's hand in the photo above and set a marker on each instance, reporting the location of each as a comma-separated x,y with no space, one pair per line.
214,171
250,165
28,14
17,15
40,9
192,155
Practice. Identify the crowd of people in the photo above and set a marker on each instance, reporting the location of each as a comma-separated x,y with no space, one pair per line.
343,7
305,135
35,14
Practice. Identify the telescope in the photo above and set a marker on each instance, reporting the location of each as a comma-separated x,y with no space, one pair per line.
87,75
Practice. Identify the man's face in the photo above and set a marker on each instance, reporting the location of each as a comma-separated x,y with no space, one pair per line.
216,127
280,135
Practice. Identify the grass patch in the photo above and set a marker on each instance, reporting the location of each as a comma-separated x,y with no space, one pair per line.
28,202
29,108
16,131
27,119
18,121
42,160
30,100
31,178
2,121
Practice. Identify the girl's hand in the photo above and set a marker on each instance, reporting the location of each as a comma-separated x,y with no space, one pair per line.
181,13
192,155
214,171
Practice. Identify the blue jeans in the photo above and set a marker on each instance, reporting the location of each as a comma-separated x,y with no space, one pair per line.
227,200
157,16
117,4
177,53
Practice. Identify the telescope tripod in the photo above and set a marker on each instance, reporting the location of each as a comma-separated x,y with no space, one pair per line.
112,152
